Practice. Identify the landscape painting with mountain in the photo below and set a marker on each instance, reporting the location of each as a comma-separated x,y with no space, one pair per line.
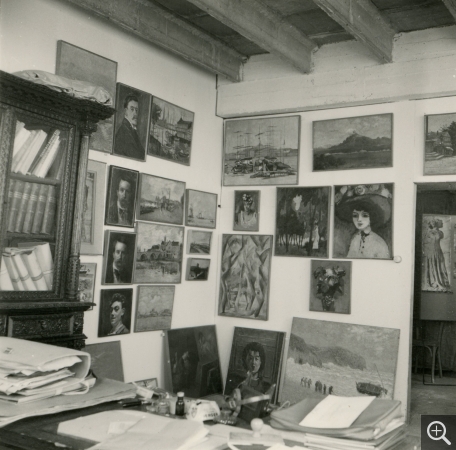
353,143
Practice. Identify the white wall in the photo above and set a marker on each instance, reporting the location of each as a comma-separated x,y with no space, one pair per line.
29,34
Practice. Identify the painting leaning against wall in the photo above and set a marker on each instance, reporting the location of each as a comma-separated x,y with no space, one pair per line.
302,221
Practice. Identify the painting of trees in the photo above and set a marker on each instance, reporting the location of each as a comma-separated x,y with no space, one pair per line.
302,221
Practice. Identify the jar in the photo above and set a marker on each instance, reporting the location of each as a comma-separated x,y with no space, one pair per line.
180,404
163,406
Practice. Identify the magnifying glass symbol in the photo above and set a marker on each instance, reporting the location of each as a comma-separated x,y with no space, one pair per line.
439,431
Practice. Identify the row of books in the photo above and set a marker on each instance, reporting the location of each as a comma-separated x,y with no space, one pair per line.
35,152
31,207
28,267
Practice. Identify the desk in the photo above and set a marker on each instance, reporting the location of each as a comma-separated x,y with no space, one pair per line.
40,433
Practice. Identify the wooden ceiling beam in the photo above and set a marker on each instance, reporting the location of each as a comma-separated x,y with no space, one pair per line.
364,21
263,26
158,26
451,6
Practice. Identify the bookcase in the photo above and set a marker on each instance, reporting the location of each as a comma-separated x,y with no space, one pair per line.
44,145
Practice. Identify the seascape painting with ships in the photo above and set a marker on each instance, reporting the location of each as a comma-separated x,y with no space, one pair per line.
261,151
341,359
201,209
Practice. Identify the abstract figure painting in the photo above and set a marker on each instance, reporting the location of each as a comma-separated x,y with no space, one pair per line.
201,209
171,130
245,274
436,261
302,221
194,363
261,151
341,359
353,143
246,210
363,225
154,308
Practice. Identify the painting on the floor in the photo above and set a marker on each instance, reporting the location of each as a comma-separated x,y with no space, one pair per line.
330,285
339,358
246,210
193,362
302,221
261,152
353,143
160,200
245,275
200,209
440,144
199,242
363,221
437,242
159,253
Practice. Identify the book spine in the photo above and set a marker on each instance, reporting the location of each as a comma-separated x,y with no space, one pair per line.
21,153
22,207
12,186
6,284
49,211
44,256
29,285
19,126
37,164
20,139
13,273
38,217
31,208
33,267
32,152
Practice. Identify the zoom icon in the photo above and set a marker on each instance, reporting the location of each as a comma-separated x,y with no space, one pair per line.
438,432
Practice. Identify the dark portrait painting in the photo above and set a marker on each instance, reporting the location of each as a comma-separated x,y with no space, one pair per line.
131,127
194,363
246,211
118,257
121,197
115,312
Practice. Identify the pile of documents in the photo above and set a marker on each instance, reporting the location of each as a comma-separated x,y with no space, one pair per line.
40,379
344,423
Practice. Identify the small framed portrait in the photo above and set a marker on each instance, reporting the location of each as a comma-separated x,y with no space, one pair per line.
160,200
121,197
246,211
119,257
197,269
199,242
330,286
154,308
87,276
131,122
115,312
200,209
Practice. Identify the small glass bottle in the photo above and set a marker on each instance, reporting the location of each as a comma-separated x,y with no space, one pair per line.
163,405
180,404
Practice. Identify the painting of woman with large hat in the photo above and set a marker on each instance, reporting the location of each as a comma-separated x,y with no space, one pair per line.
363,221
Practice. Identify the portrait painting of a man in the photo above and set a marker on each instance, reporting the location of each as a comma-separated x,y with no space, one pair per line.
121,197
118,260
115,312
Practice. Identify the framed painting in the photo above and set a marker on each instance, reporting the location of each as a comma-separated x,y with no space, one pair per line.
201,209
261,152
302,221
363,221
363,142
160,200
79,64
115,312
119,257
440,144
92,222
246,211
154,308
341,359
199,242
149,383
159,253
121,197
194,363
330,286
255,366
437,243
197,269
106,360
245,275
87,277
131,122
171,131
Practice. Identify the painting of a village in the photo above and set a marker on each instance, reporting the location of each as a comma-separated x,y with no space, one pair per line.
302,221
353,143
261,151
154,308
199,241
343,359
201,209
171,130
161,200
440,145
158,253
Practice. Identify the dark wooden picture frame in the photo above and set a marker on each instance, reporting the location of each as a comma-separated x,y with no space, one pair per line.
115,312
200,209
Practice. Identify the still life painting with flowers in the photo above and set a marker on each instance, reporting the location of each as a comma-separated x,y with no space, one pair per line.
363,225
330,286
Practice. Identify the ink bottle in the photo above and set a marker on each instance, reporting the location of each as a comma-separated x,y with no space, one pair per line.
180,404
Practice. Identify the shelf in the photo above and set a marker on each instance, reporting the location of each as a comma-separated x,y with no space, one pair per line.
34,179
